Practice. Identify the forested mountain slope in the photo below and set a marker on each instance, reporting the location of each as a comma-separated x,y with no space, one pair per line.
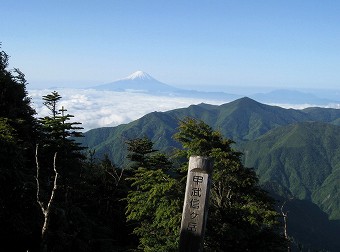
304,157
241,120
297,152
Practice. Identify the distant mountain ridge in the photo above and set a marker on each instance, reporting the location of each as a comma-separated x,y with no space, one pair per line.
282,96
142,82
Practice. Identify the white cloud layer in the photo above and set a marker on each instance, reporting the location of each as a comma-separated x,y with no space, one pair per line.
96,109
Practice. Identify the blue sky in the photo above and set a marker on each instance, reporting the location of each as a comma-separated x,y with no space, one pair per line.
216,44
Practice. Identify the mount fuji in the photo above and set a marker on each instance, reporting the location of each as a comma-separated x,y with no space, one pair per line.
138,81
142,82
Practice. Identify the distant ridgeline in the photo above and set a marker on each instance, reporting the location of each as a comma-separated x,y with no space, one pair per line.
296,154
142,82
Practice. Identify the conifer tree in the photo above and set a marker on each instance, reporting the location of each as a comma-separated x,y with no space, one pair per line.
18,135
57,126
58,138
154,203
241,216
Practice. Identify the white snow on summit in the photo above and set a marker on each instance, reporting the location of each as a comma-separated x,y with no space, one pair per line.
139,75
139,81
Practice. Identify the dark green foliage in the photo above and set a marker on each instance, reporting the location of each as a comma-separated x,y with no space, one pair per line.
299,162
154,202
328,115
308,226
88,213
240,120
158,127
155,205
138,150
57,127
302,157
243,119
14,102
56,133
198,138
51,102
311,164
19,221
101,192
241,215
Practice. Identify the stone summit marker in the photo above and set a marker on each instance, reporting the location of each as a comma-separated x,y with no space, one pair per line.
195,208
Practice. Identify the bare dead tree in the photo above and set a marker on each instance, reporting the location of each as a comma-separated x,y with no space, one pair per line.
116,176
285,219
46,209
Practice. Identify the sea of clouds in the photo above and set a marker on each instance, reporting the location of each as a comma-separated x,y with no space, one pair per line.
95,109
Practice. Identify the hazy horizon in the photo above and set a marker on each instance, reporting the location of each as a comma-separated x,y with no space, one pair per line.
98,108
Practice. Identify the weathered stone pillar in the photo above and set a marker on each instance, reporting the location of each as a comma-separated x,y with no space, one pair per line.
196,202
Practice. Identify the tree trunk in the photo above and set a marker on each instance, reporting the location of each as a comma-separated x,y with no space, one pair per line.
46,210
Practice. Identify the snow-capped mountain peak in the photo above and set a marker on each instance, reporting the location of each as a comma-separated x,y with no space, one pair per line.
139,75
138,81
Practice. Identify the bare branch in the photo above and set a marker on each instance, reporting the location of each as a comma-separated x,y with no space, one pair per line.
117,177
285,219
41,204
50,202
46,210
55,186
